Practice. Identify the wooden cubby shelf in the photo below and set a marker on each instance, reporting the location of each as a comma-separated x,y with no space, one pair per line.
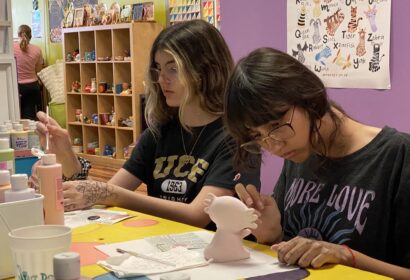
113,55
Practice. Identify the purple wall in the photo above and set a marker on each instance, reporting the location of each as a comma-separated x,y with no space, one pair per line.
247,25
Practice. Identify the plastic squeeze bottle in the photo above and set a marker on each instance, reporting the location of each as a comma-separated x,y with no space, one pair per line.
33,139
19,138
66,266
19,189
4,183
4,131
7,161
49,174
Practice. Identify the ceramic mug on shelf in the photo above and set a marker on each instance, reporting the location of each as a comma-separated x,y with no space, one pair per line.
118,88
102,87
104,118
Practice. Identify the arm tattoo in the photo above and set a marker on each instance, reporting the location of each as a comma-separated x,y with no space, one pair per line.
94,191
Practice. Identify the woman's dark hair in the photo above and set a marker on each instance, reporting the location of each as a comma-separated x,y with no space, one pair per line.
262,86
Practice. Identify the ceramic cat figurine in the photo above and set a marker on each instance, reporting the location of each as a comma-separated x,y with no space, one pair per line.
234,220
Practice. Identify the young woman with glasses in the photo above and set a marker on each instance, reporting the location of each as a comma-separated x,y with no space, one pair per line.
185,154
344,191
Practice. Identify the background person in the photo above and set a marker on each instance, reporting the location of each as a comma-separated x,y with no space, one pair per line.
29,62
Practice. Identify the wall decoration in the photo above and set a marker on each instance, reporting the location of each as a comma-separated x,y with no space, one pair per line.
56,16
36,26
184,10
35,5
346,43
58,10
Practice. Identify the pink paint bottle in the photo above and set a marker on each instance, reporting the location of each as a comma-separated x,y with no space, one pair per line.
49,173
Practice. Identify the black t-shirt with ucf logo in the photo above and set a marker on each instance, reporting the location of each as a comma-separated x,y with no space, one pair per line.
176,164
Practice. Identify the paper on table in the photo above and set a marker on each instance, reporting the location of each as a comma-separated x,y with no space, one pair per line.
93,216
258,264
127,265
188,240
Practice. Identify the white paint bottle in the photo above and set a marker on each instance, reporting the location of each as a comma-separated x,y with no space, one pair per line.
4,131
33,139
19,138
19,189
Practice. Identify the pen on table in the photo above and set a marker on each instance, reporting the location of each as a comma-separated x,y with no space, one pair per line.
142,256
47,133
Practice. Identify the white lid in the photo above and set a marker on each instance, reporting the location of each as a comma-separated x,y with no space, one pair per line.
176,276
4,177
3,128
66,266
9,125
32,125
18,127
19,182
48,159
4,143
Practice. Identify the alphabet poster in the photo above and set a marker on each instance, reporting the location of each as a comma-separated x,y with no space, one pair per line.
345,42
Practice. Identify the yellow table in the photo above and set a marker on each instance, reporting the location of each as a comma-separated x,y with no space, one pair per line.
146,225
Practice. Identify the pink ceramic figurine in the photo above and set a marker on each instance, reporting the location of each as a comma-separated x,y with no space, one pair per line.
233,220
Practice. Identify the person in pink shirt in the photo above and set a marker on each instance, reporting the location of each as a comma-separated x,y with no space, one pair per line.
29,61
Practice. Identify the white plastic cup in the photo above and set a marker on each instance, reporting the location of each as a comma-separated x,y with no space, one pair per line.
34,247
13,215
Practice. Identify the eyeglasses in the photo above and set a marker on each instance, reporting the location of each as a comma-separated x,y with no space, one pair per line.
277,135
170,73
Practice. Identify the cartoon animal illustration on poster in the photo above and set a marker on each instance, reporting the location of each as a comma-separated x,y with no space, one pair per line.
345,42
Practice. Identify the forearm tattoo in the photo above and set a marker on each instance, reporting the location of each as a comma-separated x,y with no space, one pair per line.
96,192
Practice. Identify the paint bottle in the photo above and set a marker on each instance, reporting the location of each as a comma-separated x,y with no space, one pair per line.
9,125
25,123
19,138
7,161
33,139
66,266
4,131
19,189
49,174
14,125
4,183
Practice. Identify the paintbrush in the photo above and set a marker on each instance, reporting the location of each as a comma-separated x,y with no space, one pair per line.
142,256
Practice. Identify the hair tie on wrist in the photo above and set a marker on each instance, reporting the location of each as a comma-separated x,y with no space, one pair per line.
351,253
